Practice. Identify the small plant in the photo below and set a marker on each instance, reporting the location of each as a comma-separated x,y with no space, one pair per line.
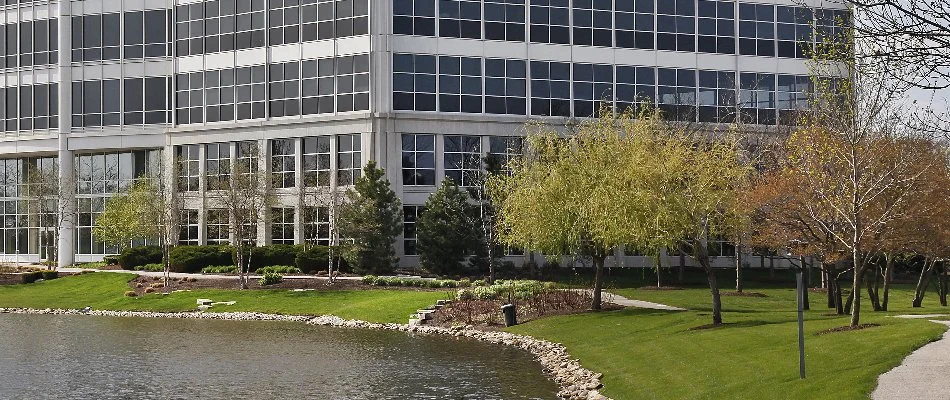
151,268
369,279
130,293
157,285
48,275
278,269
30,277
149,290
219,269
270,278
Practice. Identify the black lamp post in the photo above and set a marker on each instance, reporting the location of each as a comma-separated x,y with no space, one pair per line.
800,295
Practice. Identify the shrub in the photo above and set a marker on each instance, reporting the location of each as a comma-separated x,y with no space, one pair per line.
369,279
506,269
219,269
111,260
270,278
275,254
316,259
278,269
157,285
133,257
150,290
193,258
151,267
47,275
30,277
130,293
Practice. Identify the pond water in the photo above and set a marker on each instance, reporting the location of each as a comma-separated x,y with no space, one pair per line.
78,357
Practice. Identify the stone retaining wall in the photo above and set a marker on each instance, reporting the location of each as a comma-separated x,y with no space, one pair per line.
575,382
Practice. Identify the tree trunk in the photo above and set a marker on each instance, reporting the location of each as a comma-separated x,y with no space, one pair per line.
849,303
771,268
888,276
839,304
942,284
598,282
827,270
922,283
682,268
856,292
739,266
874,287
701,255
659,277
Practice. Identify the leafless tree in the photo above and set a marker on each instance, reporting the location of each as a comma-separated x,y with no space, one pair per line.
49,202
320,201
246,195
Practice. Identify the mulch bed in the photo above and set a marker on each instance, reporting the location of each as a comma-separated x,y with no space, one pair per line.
140,283
846,329
744,294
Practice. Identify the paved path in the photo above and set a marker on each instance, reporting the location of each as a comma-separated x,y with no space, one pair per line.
623,301
921,376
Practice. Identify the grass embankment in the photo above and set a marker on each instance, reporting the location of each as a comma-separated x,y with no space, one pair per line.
646,354
104,291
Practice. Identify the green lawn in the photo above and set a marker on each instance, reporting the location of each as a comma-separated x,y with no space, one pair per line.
647,354
104,291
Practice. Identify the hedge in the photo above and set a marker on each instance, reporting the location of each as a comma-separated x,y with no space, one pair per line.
316,259
133,257
275,254
193,258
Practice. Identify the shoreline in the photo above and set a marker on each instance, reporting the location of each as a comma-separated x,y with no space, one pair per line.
574,381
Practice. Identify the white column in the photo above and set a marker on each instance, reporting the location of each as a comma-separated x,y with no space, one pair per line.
67,171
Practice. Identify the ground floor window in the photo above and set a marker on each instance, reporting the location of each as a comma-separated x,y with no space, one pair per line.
410,215
282,225
217,226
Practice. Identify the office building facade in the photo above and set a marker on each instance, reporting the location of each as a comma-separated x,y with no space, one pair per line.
108,91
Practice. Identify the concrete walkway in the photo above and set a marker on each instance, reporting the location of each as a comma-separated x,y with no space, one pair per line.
921,376
623,301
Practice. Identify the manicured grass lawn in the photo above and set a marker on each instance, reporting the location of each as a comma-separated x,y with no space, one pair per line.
647,354
104,291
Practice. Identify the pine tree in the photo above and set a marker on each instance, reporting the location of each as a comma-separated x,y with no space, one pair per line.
448,231
371,220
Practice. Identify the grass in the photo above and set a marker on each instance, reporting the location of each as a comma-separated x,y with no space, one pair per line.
104,291
646,354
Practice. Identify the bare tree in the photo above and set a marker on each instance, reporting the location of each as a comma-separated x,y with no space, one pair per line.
246,195
48,199
321,204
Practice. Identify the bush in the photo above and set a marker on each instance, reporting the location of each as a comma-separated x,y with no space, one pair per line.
370,279
220,269
521,290
275,254
278,269
111,260
506,269
270,278
48,275
130,293
151,267
133,257
193,258
30,277
316,259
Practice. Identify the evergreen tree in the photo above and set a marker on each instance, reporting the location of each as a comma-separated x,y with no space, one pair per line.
448,231
371,220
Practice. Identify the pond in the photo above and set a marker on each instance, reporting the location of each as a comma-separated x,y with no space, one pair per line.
78,357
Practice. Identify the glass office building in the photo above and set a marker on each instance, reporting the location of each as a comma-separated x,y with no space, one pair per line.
109,91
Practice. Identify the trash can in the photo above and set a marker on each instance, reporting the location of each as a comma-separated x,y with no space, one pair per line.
511,314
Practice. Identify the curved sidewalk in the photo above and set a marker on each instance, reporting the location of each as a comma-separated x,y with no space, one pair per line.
921,376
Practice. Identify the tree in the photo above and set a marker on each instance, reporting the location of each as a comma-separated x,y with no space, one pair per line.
321,206
488,213
852,159
48,202
447,232
372,220
148,210
246,196
566,195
